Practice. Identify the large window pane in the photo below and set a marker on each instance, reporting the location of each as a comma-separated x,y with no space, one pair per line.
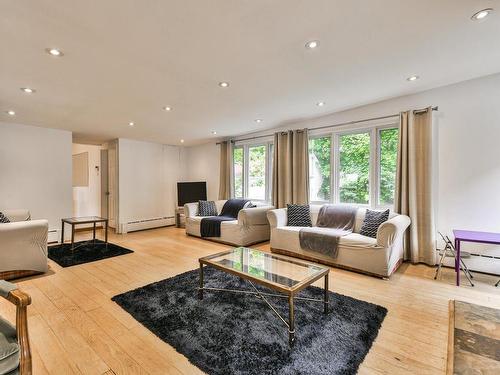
319,168
354,153
238,172
257,172
388,162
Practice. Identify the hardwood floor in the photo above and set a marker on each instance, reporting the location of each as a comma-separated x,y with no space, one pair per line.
75,328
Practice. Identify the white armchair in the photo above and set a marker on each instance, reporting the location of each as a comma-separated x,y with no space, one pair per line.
23,245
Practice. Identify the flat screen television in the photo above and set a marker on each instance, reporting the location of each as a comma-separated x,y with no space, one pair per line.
188,192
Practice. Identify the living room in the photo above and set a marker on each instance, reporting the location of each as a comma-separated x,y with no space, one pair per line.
249,187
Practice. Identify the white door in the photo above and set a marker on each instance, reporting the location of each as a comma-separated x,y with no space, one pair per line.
112,187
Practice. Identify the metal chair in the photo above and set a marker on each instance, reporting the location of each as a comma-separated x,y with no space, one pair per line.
450,251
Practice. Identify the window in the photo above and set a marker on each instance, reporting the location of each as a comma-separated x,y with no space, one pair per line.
252,166
320,155
238,171
388,153
354,168
257,172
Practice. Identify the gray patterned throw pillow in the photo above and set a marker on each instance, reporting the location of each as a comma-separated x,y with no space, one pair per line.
298,215
373,219
207,208
4,219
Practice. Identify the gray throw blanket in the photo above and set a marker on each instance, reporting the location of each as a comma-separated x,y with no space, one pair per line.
334,221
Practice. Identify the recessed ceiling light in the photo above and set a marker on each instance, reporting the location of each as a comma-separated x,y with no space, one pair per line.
412,78
482,14
54,52
131,123
312,44
28,90
259,120
167,108
214,132
11,113
182,140
320,104
224,84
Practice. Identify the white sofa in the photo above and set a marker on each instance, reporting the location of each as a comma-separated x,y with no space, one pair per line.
379,256
23,245
251,226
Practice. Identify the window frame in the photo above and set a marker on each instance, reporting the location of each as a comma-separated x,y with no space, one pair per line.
324,135
269,144
373,129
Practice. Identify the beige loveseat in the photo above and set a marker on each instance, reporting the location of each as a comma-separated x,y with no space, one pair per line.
251,226
379,256
23,245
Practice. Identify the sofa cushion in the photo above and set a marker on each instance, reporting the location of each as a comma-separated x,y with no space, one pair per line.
298,215
9,348
207,208
3,218
351,240
373,219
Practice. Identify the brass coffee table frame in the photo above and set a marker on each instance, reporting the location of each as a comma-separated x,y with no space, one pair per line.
288,292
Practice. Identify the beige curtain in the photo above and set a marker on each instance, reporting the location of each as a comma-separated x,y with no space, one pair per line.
414,184
225,170
290,168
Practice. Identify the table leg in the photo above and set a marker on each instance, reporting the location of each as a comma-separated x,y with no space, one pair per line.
325,298
291,321
200,291
72,237
62,232
457,260
106,233
93,242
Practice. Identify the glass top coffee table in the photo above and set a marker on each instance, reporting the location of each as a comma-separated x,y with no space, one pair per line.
285,275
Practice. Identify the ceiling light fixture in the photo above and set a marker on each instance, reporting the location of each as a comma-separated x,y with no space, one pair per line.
54,52
167,108
28,90
312,44
412,78
131,123
11,113
320,104
214,132
259,120
482,14
224,84
182,140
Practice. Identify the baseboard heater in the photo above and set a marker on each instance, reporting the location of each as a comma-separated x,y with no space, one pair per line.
155,222
485,263
53,236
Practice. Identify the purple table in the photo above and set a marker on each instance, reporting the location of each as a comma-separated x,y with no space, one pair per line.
472,236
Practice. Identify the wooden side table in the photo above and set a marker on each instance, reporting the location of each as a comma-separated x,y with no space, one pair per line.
180,217
74,221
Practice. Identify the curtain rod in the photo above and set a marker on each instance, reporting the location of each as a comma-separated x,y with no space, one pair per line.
436,108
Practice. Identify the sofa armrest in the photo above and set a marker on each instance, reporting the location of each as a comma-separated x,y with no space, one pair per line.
254,216
190,209
277,218
391,230
17,236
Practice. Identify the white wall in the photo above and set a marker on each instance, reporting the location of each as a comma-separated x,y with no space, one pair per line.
35,171
203,165
148,176
468,132
87,199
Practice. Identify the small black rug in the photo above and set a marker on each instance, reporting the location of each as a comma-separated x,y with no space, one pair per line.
228,333
84,252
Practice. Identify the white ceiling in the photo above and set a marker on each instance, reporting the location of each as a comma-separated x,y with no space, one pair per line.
126,59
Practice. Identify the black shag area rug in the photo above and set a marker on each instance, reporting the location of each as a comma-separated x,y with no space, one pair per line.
229,333
84,252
